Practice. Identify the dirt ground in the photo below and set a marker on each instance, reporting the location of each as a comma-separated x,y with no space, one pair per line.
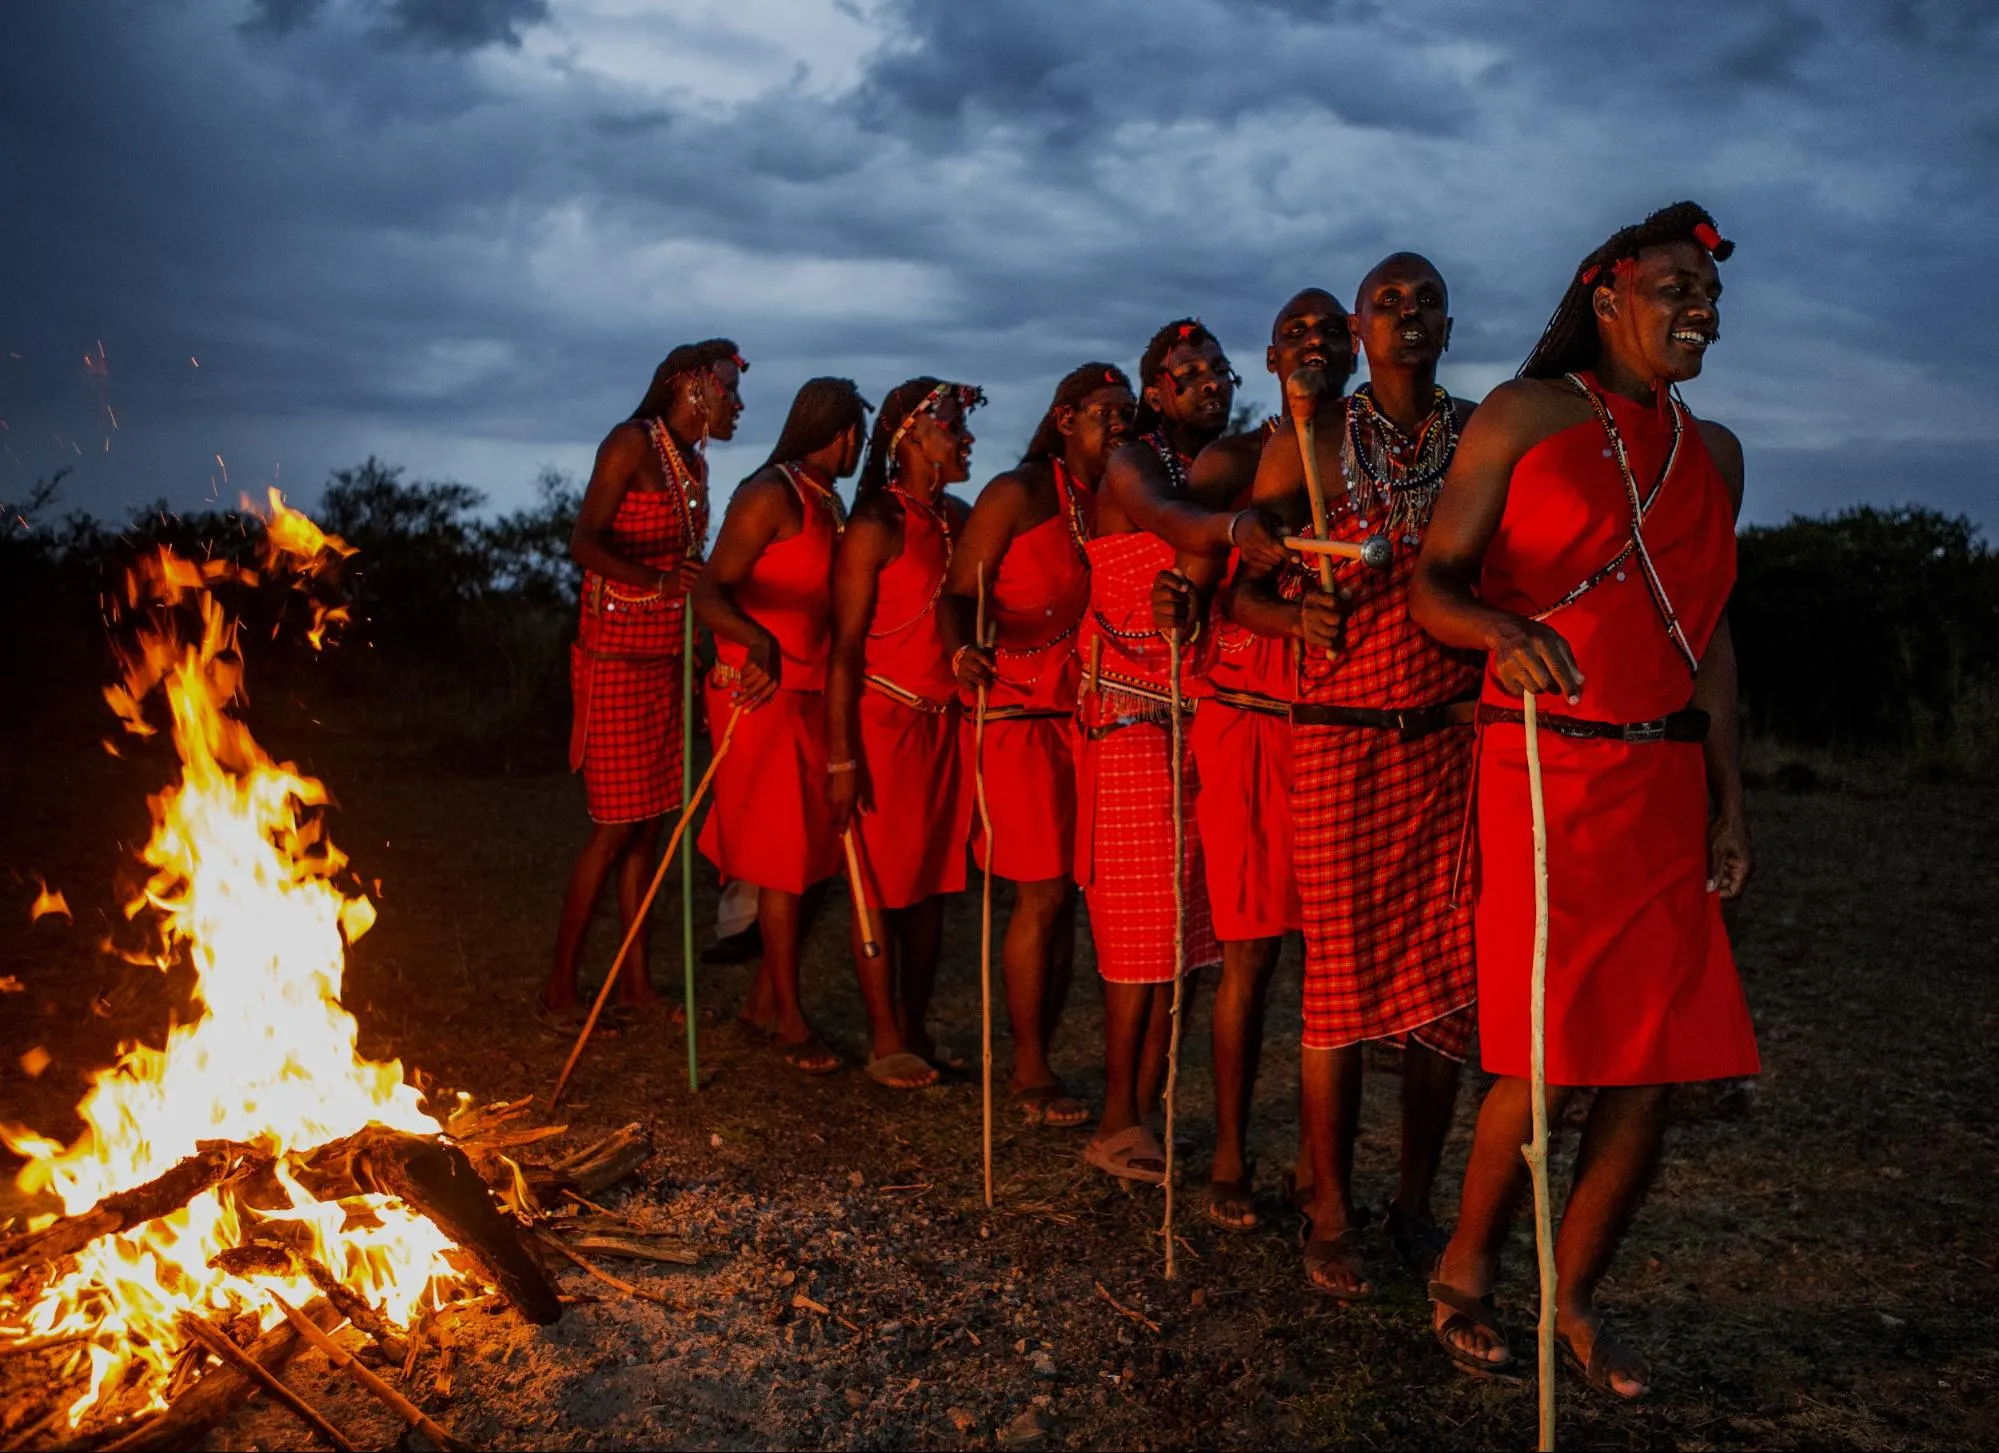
1815,1268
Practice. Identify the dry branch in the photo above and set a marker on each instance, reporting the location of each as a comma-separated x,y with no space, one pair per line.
639,1250
188,1419
604,1276
339,1356
208,1167
217,1341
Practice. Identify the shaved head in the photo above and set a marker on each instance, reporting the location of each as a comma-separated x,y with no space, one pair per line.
1402,267
1309,302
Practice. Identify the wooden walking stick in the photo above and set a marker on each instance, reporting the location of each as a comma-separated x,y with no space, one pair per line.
1179,924
687,859
857,885
1301,397
986,896
639,918
1536,1150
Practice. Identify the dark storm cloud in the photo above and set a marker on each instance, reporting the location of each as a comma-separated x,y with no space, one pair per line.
456,232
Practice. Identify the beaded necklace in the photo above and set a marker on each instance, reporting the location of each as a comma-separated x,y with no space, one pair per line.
936,516
802,480
689,491
1066,489
1398,475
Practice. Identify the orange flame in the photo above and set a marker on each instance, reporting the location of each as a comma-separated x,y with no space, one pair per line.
48,901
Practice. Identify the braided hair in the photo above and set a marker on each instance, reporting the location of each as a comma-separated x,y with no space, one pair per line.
1191,331
822,410
1077,385
1570,341
687,358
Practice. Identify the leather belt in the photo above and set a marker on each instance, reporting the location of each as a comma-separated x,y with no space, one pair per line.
1411,722
1253,701
903,696
1690,724
1026,713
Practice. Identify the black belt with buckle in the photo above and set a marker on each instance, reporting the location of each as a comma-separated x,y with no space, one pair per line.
1689,724
1411,721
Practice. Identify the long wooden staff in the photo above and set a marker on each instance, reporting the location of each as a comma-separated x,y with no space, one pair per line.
1179,925
639,918
1536,1150
687,859
1301,396
857,885
986,897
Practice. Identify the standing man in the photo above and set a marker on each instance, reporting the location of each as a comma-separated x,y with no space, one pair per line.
1586,541
1028,542
1241,744
1382,741
639,537
1125,827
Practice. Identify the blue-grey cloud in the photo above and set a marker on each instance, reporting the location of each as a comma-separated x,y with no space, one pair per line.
459,233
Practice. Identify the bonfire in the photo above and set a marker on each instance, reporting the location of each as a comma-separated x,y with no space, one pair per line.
256,1163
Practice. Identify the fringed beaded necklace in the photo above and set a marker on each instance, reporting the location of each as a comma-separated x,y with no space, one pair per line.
689,490
1388,471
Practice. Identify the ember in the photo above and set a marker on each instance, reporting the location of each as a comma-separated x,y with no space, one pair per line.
257,1155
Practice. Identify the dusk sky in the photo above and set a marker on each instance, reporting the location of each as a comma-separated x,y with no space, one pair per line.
459,234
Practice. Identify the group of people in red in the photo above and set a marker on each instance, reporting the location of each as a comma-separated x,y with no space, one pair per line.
1347,605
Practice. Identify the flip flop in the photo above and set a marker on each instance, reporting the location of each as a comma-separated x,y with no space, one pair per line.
1120,1156
1468,1312
1239,1192
808,1056
1050,1106
1597,1371
1343,1251
898,1070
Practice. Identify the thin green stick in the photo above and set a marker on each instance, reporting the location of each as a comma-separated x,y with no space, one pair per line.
686,854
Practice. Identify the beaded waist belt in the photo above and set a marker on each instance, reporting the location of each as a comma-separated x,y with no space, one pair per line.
1133,703
1253,701
602,595
903,696
1413,722
1690,724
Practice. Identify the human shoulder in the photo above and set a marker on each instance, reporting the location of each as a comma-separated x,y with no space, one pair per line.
1226,469
1014,489
1521,412
1726,452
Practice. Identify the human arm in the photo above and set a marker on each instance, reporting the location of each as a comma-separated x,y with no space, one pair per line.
1731,858
620,464
1136,485
1526,655
1002,508
759,510
869,542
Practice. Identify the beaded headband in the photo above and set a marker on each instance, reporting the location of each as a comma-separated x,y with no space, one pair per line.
969,397
1718,247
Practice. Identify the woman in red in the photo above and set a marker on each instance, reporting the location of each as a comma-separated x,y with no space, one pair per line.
638,538
1025,543
1585,539
766,594
896,783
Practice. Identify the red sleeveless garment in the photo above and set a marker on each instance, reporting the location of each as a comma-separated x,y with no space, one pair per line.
1241,742
1038,597
770,824
1388,952
912,846
1642,987
625,667
1124,793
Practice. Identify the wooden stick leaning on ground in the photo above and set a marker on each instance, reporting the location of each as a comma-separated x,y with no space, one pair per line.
986,897
1174,734
341,1358
687,859
217,1341
1536,1150
857,885
645,906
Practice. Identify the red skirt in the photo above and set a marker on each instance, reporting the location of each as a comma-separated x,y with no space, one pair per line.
912,846
1031,796
1244,810
625,733
1379,823
769,823
1642,987
1124,857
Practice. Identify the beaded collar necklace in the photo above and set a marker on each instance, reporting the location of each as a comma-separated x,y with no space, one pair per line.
1390,470
799,475
1067,487
689,491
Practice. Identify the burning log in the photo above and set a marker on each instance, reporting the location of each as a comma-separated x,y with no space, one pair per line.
438,1181
278,1258
220,1393
212,1165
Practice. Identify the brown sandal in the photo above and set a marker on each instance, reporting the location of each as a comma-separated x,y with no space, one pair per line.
1604,1352
1343,1251
1468,1313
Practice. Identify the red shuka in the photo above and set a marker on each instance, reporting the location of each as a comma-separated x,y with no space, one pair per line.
1242,743
1124,794
770,824
912,845
1038,596
624,670
1642,987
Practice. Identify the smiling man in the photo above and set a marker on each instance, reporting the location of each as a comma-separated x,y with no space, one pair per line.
1381,739
1586,541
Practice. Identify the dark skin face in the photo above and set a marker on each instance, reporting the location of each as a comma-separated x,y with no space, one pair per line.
937,449
1312,331
1657,316
1402,314
1094,427
1194,388
716,393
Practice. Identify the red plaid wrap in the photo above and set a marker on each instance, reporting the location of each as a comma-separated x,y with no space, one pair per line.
1379,822
625,670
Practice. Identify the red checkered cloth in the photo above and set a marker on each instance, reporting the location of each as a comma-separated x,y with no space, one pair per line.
1127,873
1379,823
625,671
